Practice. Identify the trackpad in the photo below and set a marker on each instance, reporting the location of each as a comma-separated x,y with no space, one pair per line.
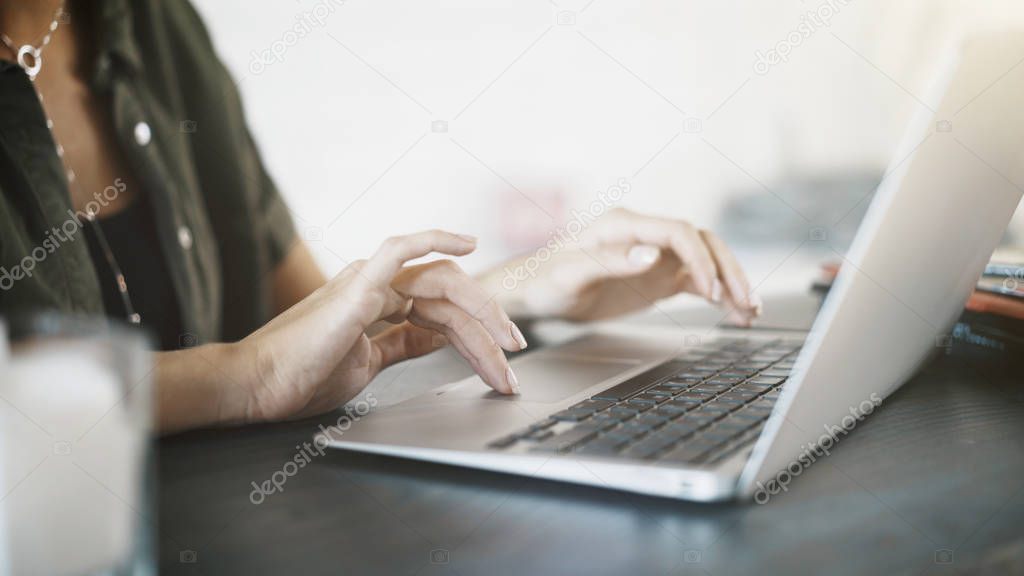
544,378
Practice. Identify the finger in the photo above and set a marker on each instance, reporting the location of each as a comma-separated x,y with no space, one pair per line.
397,250
395,307
587,265
471,340
676,235
732,274
735,313
445,280
399,316
406,341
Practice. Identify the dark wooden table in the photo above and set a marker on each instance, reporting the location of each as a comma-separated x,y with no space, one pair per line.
931,483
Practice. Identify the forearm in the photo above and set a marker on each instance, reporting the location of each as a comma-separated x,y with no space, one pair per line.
199,387
295,277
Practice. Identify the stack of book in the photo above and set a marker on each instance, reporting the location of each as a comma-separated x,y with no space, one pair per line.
992,324
993,320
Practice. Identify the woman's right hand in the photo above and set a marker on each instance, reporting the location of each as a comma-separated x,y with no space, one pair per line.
316,355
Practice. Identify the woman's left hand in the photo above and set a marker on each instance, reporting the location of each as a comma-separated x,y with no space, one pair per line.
622,263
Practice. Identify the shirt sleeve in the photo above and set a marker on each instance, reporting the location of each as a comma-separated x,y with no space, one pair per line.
275,227
226,149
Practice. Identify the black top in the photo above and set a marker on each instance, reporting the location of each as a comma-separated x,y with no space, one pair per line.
178,120
131,235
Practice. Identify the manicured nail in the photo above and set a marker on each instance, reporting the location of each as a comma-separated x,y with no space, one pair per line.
467,237
643,256
716,290
513,382
517,335
757,304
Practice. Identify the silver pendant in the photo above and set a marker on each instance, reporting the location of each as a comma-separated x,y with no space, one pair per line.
37,60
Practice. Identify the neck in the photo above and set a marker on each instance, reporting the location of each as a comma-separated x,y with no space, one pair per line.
26,21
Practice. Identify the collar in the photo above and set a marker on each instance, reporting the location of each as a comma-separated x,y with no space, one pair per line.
115,39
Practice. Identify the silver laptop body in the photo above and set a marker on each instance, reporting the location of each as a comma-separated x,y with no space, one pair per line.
941,209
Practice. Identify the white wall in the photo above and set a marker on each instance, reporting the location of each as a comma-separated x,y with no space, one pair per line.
563,110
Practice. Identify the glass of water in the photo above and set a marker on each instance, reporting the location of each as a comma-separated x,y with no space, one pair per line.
75,447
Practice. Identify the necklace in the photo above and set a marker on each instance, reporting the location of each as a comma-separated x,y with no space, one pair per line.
31,69
35,53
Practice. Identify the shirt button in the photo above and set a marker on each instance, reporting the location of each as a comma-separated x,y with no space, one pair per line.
142,134
185,237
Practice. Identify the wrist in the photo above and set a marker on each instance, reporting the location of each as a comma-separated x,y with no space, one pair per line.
232,382
200,387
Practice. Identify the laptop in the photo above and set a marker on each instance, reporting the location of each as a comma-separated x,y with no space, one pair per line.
724,414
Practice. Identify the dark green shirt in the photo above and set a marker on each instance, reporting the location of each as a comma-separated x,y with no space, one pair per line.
177,116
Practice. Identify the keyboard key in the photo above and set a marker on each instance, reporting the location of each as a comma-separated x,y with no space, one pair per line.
689,377
614,417
600,447
767,381
731,400
734,372
668,411
700,419
548,423
758,410
708,387
715,408
728,381
643,450
640,404
695,395
716,435
679,430
750,415
651,420
592,405
537,435
565,441
571,415
688,452
733,426
622,412
640,382
504,442
633,428
683,404
748,367
656,398
598,424
624,435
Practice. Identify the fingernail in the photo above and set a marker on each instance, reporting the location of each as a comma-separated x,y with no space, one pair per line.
643,256
467,237
757,304
716,290
517,335
513,382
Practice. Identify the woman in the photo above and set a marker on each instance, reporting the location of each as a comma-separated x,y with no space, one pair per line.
130,186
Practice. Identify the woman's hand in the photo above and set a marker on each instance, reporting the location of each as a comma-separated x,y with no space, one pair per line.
622,263
316,355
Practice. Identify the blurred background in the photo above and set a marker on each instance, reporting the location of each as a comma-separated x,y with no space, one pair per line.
760,120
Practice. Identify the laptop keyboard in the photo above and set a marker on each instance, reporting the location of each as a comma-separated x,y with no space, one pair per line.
695,409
